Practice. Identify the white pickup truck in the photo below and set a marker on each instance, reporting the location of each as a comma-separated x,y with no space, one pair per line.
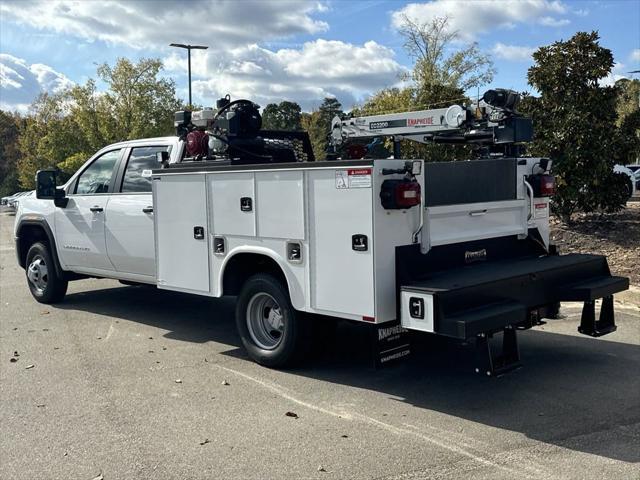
459,249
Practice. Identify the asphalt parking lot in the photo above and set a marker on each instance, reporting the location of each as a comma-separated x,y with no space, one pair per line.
125,382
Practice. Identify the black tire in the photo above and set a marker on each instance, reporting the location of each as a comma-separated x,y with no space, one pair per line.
42,276
265,294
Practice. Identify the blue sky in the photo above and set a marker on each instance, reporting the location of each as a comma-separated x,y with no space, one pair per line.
285,49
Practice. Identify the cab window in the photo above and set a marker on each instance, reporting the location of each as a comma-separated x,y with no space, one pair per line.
97,176
137,175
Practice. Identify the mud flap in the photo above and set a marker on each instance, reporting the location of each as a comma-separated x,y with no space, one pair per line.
390,343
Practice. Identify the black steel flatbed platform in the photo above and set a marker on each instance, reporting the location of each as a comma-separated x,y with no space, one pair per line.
490,296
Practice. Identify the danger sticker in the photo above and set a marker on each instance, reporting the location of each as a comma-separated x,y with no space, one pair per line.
540,210
353,178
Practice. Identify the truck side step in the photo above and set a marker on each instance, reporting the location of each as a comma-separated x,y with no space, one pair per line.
590,290
492,317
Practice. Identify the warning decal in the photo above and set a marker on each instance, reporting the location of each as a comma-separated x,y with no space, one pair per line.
541,210
353,178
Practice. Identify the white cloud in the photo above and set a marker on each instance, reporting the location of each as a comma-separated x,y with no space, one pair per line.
617,73
320,68
21,83
237,61
635,55
512,53
471,18
553,22
153,24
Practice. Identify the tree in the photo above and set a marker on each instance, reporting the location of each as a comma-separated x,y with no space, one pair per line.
440,76
429,45
66,128
318,125
628,122
10,126
282,116
575,123
49,137
137,102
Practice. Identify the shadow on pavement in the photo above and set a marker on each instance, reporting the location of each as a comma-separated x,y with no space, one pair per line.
569,386
190,318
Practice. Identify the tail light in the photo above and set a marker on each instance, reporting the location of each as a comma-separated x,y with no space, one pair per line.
399,194
543,185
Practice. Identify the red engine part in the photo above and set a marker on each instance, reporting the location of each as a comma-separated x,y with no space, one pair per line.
197,143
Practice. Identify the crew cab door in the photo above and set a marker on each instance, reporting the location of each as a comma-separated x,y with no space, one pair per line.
129,218
80,225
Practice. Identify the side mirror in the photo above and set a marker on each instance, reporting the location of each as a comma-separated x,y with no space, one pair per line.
163,159
46,188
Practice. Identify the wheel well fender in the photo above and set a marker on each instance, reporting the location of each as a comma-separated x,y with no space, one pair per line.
30,232
242,263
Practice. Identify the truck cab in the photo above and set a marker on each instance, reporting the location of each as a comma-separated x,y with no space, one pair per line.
105,227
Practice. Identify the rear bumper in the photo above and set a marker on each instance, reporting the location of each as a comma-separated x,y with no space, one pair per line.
467,301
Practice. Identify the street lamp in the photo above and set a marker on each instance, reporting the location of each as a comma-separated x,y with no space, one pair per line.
189,48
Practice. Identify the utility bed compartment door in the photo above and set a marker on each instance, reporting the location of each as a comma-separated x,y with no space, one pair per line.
181,231
341,243
474,221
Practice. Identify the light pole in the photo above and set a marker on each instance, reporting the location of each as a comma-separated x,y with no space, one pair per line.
189,48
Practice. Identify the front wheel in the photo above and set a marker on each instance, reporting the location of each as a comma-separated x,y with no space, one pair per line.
44,283
271,330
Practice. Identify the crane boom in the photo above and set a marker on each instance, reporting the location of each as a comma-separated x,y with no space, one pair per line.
492,120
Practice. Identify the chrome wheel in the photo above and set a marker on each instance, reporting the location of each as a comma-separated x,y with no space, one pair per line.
265,321
37,274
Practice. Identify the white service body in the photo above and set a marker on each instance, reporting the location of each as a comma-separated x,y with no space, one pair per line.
321,208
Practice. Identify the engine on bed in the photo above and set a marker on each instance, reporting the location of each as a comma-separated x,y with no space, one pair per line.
233,132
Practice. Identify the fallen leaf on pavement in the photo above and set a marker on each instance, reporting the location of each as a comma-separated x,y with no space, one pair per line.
13,359
99,477
28,367
16,354
178,380
224,382
321,469
292,415
46,312
206,440
345,436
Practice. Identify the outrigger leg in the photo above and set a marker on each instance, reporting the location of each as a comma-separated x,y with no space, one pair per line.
492,365
606,322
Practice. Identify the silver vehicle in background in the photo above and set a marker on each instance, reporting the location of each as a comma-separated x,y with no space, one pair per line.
13,200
